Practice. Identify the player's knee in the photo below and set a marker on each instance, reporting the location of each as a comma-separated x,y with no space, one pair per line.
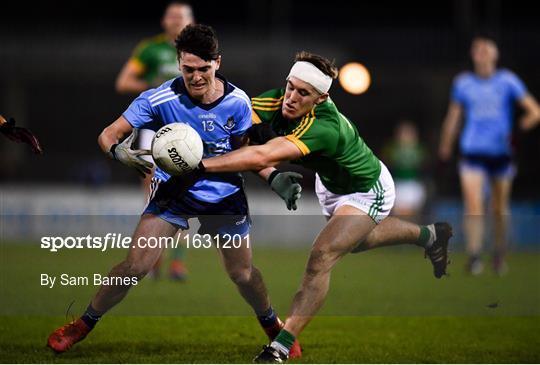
373,236
320,260
474,209
473,205
134,269
240,276
500,210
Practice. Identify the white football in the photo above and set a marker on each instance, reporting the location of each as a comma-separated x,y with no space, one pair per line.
177,148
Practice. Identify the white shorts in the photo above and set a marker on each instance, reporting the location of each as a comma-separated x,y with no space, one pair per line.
410,194
376,203
145,142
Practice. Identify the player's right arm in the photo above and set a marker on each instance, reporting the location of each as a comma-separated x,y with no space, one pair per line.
114,133
450,129
254,158
109,141
129,80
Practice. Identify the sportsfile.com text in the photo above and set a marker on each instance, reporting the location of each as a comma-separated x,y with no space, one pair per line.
120,241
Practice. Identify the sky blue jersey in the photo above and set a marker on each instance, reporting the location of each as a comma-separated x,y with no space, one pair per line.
216,123
488,105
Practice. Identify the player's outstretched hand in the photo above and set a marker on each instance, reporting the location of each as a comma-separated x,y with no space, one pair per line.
19,134
287,185
125,153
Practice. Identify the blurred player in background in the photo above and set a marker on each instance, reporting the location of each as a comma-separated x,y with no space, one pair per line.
485,99
153,62
355,189
221,114
406,158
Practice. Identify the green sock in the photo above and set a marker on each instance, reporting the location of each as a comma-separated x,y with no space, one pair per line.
178,253
427,236
285,339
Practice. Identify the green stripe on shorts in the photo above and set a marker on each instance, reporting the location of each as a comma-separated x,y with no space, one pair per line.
376,206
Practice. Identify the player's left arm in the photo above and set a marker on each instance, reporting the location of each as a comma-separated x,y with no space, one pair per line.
518,91
129,80
254,158
531,118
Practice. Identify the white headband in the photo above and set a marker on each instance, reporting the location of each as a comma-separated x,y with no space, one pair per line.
309,73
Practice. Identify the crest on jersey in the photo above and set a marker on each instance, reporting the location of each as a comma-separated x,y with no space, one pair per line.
230,123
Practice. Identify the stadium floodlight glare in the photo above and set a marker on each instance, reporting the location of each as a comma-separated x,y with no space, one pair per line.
354,78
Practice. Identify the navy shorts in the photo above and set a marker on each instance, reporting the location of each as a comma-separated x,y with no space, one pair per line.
229,216
493,166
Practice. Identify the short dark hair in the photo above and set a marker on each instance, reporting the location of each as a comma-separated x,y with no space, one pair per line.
200,40
325,65
178,3
485,34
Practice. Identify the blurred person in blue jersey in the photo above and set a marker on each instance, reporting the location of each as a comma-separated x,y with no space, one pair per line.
485,99
153,62
221,113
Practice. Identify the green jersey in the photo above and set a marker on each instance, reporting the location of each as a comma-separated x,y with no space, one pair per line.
329,143
155,60
406,161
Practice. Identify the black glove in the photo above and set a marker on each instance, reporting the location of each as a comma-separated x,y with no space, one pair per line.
286,185
19,134
261,133
176,186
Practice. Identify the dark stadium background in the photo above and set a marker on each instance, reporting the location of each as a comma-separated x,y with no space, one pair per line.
59,61
58,64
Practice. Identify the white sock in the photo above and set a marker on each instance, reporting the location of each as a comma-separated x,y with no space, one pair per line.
280,347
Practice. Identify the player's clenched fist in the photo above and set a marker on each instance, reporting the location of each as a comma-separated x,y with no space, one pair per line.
125,153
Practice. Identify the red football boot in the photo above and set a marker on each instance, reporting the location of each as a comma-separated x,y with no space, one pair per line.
68,335
296,351
178,270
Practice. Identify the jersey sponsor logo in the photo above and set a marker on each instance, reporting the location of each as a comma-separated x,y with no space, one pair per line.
177,159
208,116
230,123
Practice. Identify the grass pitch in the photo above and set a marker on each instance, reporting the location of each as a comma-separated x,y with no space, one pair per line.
384,306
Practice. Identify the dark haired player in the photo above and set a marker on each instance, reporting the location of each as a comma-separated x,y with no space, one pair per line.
486,98
153,62
355,189
221,113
